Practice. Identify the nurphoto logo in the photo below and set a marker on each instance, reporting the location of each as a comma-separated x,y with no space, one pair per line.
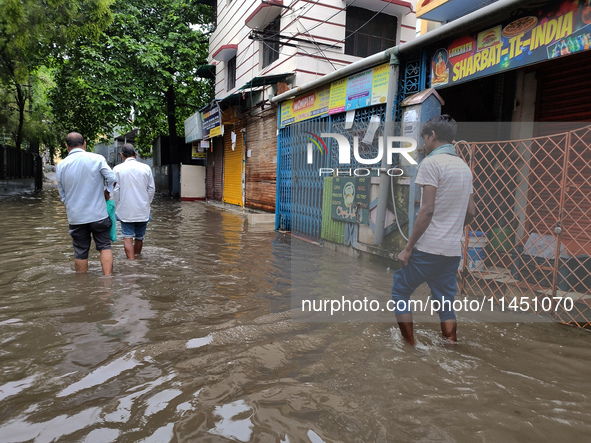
344,148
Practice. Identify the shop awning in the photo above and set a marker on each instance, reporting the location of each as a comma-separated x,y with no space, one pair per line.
447,10
265,13
206,71
225,53
265,80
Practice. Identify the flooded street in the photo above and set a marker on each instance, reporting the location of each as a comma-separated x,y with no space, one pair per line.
195,342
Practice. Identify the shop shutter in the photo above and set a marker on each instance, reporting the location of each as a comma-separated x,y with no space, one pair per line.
564,88
215,169
261,166
233,164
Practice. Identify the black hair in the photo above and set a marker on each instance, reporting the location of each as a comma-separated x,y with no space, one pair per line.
127,150
74,140
444,127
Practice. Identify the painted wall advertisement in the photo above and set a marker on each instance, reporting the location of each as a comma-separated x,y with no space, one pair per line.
212,122
554,32
350,199
361,90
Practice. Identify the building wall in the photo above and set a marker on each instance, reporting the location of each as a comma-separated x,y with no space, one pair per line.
261,166
323,22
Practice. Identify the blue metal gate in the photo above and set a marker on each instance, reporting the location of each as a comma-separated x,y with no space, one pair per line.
299,185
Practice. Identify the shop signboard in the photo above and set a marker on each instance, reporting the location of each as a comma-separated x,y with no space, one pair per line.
311,105
556,31
193,128
357,91
350,199
197,153
212,122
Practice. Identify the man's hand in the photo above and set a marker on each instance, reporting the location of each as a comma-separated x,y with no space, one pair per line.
404,256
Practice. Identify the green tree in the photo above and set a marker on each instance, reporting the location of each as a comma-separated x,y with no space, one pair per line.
30,32
141,73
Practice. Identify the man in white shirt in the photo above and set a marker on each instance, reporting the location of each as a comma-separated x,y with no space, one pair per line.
133,195
80,182
433,251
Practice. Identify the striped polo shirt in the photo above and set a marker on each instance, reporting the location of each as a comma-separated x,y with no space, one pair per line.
453,179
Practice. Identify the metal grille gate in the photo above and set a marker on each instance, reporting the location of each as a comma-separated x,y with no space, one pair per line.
299,185
534,203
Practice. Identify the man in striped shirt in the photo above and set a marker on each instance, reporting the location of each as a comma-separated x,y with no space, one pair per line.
432,253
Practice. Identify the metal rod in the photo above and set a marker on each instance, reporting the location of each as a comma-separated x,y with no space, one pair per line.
384,188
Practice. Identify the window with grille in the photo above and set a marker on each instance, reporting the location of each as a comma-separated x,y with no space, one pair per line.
231,73
368,32
270,43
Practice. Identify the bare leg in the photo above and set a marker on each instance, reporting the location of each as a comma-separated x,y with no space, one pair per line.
406,328
107,261
129,249
137,246
448,329
81,265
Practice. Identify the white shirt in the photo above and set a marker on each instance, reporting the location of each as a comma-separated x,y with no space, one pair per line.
453,179
134,191
80,184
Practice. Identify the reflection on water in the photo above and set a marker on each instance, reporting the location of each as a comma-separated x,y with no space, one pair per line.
195,342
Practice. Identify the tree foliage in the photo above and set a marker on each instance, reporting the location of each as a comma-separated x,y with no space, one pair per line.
140,73
30,32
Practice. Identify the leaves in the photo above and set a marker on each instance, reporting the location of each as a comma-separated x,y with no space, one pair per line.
151,46
31,33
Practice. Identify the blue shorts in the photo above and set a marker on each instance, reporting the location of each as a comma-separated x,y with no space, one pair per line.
136,230
438,271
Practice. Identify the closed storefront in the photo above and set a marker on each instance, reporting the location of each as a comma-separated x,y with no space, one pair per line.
234,163
215,169
564,88
559,193
261,161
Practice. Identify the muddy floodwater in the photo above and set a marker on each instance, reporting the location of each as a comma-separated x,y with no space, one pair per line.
195,342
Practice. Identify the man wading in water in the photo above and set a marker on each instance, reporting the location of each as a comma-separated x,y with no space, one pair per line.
433,251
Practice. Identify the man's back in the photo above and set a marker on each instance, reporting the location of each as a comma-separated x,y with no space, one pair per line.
453,179
134,191
80,184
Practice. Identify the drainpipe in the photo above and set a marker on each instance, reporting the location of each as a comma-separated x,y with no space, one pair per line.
384,189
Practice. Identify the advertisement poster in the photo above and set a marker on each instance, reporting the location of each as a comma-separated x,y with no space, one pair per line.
557,31
361,90
212,122
307,106
350,199
379,85
338,96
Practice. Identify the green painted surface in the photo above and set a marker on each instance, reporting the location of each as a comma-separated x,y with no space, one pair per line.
333,231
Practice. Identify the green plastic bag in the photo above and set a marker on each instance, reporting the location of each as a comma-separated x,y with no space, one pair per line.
111,212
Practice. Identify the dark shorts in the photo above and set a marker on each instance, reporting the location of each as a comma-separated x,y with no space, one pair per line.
440,274
100,231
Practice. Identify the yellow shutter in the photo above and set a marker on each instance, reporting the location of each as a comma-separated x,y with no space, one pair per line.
233,165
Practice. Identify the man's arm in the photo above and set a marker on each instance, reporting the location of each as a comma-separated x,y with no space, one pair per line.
60,186
421,224
108,175
151,187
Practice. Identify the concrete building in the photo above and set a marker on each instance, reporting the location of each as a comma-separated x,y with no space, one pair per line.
264,48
